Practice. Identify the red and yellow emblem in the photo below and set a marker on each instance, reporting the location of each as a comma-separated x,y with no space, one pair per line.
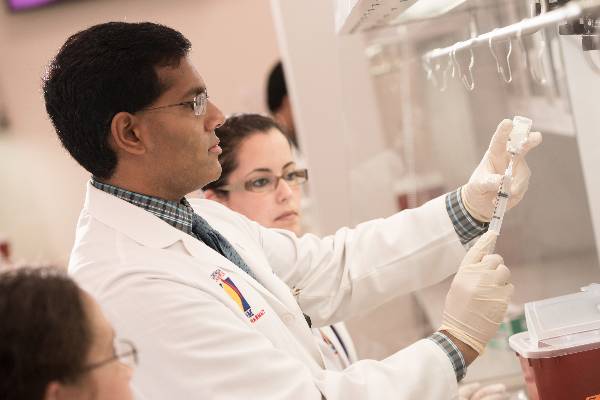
236,295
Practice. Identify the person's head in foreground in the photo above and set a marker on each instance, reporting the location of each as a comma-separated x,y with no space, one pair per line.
56,344
260,178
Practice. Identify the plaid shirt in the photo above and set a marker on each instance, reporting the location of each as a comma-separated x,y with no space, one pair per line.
467,228
453,353
179,214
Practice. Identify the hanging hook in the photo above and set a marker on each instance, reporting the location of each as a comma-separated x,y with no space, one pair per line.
531,66
467,81
455,64
445,73
439,73
537,70
521,43
470,82
500,68
437,68
428,70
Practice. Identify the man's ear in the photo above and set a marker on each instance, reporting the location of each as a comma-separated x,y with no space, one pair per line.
212,195
53,391
125,134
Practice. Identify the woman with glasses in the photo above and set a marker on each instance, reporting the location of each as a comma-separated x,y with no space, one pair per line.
260,180
55,342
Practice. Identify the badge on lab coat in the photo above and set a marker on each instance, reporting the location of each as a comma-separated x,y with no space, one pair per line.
236,295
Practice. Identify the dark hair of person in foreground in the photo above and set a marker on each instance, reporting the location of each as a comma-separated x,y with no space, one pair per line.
44,332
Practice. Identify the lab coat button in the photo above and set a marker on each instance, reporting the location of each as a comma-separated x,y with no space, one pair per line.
288,318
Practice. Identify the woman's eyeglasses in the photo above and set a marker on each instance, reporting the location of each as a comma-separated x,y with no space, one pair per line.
267,182
125,352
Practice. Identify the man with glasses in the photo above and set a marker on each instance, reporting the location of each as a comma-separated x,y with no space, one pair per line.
218,306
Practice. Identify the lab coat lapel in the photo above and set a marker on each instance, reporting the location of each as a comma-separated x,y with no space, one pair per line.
131,220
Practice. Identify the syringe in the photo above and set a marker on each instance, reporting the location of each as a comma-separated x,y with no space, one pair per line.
502,199
518,137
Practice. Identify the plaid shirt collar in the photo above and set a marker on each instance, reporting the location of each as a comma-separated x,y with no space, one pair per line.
177,214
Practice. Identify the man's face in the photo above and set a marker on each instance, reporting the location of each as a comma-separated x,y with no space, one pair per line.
182,150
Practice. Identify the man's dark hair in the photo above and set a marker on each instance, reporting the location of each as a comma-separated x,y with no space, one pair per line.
99,72
276,88
231,134
45,334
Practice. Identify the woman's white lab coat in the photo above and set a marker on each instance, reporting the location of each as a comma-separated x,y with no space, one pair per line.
207,330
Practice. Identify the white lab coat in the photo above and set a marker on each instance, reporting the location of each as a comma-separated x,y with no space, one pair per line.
199,339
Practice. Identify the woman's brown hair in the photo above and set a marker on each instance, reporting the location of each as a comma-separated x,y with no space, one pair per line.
44,332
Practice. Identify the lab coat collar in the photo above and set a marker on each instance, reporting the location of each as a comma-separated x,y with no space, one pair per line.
130,219
149,230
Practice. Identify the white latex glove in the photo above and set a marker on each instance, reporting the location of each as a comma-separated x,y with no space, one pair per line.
479,193
478,297
474,391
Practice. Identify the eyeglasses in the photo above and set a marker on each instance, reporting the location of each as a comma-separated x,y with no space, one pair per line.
125,352
267,182
198,104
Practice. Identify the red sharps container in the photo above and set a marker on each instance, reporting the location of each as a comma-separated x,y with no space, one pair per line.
560,352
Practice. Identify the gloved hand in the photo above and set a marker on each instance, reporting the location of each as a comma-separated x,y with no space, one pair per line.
479,193
478,296
474,391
